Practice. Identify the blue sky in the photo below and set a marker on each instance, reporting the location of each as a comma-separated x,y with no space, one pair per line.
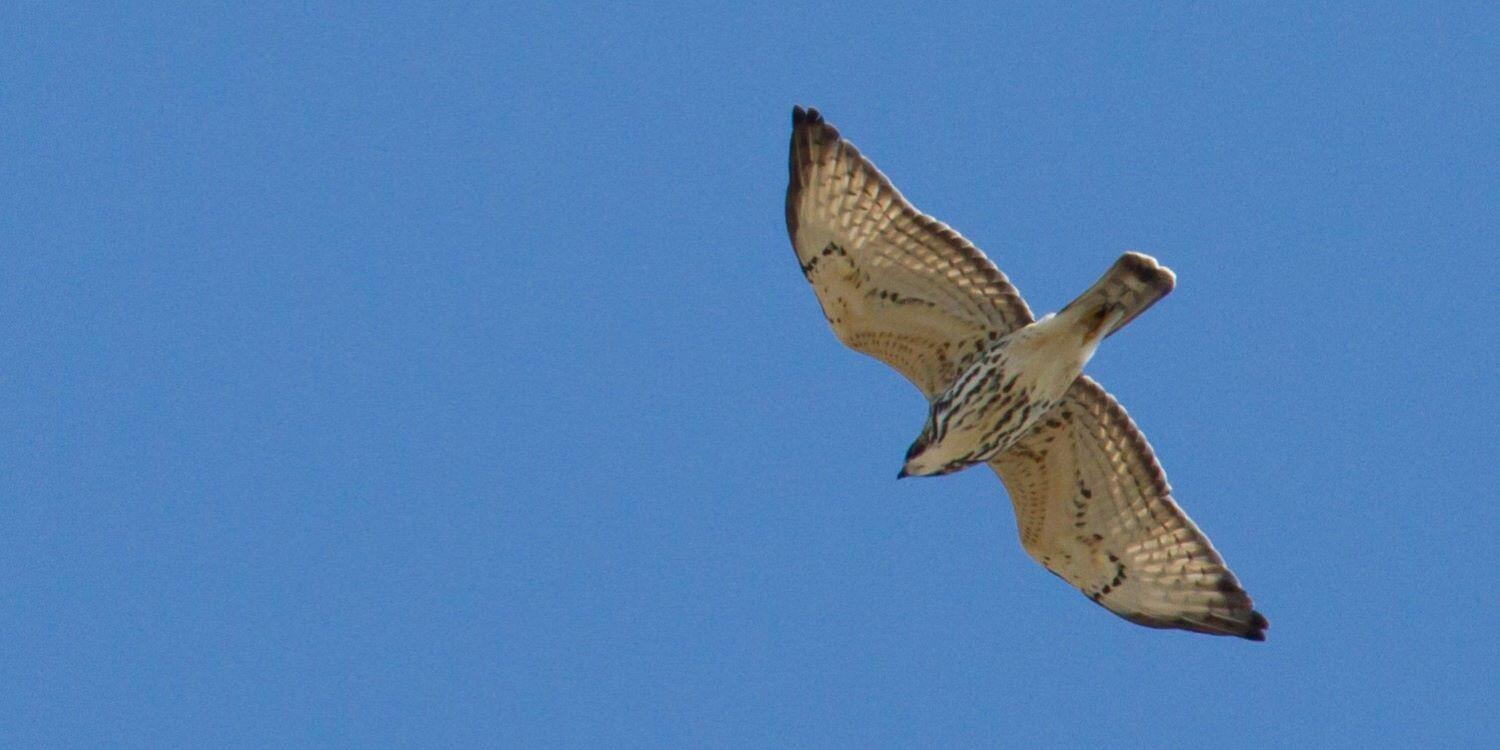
444,376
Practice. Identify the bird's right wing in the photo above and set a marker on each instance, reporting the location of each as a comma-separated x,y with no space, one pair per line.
1093,506
894,283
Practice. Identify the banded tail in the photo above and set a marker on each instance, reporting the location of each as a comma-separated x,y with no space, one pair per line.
1134,283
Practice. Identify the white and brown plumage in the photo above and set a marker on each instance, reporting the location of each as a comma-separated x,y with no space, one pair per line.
1092,503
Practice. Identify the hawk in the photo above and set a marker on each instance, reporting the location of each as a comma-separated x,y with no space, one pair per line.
1004,388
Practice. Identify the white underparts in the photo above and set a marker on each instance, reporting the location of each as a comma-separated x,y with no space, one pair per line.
1007,389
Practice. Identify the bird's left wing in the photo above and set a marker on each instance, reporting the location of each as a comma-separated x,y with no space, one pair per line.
1093,506
894,283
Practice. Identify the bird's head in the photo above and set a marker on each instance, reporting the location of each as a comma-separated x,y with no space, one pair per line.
922,459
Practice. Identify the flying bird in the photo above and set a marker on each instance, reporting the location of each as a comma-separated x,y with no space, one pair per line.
1006,389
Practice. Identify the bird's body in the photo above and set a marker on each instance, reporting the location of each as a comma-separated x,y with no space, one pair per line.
1018,380
1091,501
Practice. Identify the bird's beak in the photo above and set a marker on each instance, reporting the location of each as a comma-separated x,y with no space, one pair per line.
902,474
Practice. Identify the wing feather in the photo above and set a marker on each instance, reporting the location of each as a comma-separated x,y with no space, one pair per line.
1093,506
894,283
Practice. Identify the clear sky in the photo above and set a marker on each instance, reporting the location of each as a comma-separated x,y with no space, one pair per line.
443,376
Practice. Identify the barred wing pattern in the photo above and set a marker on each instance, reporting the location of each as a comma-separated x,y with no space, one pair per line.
894,283
1092,503
1093,506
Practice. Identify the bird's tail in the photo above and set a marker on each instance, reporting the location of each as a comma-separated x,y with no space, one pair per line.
1134,283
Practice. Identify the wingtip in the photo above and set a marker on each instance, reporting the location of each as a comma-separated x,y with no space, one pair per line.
1257,627
808,116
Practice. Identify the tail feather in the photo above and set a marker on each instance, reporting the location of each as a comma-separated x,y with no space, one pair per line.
1134,283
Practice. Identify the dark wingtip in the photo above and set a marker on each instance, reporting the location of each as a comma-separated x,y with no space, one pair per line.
810,116
1258,625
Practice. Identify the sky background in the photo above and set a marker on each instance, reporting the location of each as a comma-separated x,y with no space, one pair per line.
443,376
